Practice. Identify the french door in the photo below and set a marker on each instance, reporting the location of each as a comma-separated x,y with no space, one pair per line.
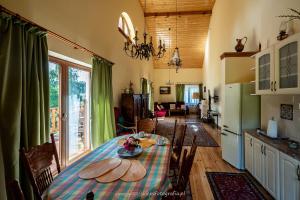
69,108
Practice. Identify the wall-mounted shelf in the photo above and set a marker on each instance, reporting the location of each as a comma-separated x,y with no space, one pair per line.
238,54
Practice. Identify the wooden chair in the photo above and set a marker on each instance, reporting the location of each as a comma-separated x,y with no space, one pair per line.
15,190
175,157
89,196
148,125
174,134
37,161
183,178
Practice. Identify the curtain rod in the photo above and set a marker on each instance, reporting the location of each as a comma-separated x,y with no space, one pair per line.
62,38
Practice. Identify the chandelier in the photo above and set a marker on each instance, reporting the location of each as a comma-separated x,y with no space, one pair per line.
175,60
144,50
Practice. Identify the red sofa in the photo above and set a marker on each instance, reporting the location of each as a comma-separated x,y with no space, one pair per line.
159,112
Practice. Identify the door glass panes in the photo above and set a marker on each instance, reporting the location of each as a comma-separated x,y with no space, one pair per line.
264,72
288,66
78,111
191,94
54,89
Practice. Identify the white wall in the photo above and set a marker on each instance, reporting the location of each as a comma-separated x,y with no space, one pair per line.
184,76
256,19
92,24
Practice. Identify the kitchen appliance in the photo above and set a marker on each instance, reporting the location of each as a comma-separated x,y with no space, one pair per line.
272,128
241,111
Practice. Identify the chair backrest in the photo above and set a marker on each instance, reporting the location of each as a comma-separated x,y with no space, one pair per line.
148,125
89,196
16,191
186,166
179,141
174,134
38,161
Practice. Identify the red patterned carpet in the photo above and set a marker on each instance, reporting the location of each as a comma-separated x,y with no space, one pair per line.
233,186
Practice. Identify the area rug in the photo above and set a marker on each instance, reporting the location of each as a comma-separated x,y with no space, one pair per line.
165,128
233,186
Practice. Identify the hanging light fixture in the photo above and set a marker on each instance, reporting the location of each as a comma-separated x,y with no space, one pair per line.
144,50
175,60
169,82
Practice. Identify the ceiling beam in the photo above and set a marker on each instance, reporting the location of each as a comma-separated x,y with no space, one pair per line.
167,14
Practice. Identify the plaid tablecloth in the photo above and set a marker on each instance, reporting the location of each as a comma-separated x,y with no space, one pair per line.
67,185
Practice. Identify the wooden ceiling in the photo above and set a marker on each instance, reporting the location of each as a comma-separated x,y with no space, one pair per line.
192,28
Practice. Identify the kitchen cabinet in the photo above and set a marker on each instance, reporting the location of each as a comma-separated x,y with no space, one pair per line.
264,71
289,178
262,161
249,153
258,162
277,69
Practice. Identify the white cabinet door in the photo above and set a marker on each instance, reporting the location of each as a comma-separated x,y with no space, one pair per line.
289,182
264,71
249,153
271,162
258,162
287,66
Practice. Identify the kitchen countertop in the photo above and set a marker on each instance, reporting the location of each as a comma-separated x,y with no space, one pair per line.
279,144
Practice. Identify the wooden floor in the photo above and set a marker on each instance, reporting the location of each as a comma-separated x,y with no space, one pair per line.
209,159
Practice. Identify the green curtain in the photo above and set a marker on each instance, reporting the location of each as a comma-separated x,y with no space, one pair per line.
103,122
200,92
144,86
179,92
24,92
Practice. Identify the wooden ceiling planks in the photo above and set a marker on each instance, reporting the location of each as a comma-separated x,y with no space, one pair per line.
192,26
191,37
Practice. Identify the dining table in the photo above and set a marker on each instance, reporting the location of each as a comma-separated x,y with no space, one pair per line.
155,159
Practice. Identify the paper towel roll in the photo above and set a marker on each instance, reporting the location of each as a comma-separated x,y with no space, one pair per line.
272,129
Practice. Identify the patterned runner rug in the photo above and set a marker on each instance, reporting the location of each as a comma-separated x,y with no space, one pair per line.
233,186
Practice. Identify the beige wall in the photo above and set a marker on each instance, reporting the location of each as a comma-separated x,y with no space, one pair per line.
93,24
257,20
185,76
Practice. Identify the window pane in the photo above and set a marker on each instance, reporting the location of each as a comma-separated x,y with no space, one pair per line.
78,124
190,94
54,102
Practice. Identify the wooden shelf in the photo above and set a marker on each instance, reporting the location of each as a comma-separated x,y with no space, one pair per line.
238,54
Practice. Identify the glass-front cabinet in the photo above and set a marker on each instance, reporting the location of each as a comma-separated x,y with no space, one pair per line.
287,65
264,71
278,68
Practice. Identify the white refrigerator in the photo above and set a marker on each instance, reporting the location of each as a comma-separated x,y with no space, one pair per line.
241,111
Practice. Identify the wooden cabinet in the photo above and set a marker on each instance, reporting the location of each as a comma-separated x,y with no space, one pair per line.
289,178
264,71
287,66
278,68
258,162
262,161
134,106
249,153
271,167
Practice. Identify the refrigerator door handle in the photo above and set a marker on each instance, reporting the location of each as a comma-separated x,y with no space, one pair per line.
223,133
225,126
230,132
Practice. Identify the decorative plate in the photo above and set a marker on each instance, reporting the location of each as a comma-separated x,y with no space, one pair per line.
123,153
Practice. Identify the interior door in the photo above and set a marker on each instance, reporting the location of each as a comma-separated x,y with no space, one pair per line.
232,109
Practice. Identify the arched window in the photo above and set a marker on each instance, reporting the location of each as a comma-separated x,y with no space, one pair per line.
125,26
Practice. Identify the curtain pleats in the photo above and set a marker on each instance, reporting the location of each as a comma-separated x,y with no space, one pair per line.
103,124
179,92
24,92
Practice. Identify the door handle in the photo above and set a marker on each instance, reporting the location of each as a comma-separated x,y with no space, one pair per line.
261,149
64,116
265,150
298,172
225,126
251,142
223,133
275,86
